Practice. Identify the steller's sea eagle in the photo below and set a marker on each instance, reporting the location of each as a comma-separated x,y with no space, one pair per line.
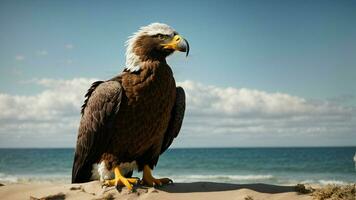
128,121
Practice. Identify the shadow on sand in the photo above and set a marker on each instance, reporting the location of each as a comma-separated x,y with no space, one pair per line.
218,187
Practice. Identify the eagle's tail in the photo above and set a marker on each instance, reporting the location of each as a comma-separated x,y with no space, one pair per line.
81,173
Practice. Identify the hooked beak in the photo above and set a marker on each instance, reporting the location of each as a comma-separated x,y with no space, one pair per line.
177,43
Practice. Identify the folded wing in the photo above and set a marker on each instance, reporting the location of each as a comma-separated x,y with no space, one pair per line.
176,120
98,113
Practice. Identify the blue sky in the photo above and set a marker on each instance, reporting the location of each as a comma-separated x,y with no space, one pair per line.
305,49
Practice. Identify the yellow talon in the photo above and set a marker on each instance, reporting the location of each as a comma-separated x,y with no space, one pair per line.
133,180
149,180
121,180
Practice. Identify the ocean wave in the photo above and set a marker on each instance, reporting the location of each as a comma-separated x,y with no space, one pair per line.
332,182
325,182
8,178
355,160
223,177
60,178
50,178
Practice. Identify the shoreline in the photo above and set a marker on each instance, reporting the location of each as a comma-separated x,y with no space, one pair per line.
194,190
177,191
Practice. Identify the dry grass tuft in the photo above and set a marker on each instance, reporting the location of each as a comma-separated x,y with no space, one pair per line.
106,197
335,192
248,198
300,188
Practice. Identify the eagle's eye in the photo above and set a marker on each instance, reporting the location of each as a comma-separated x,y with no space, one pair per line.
162,37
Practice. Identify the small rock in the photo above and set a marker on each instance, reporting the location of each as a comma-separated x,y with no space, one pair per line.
59,196
75,188
302,189
248,198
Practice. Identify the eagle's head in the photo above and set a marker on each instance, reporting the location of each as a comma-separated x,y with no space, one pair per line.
153,42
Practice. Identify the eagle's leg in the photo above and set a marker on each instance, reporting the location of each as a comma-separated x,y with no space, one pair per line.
149,180
121,180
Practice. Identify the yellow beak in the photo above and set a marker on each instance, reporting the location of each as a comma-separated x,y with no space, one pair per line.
177,43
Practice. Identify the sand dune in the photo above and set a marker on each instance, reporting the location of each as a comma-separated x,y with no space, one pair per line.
177,191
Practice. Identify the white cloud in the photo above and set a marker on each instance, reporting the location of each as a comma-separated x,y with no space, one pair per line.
214,116
42,53
15,71
254,103
19,57
52,113
69,61
245,111
69,46
59,97
233,113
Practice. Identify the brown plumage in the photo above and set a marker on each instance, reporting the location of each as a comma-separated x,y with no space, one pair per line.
134,116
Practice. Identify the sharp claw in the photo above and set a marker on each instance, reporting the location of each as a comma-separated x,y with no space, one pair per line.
156,182
149,180
106,183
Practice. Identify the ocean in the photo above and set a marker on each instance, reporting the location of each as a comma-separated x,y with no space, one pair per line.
283,166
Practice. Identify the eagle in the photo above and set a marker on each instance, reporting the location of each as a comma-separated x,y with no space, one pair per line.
128,121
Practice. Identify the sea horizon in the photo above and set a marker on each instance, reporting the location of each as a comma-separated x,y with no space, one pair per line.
207,147
237,165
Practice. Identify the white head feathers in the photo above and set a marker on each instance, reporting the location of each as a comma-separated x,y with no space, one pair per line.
132,60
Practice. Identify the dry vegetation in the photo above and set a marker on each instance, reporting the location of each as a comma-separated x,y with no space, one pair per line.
329,192
335,192
59,196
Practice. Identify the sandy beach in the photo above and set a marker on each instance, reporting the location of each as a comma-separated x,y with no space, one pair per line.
195,190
